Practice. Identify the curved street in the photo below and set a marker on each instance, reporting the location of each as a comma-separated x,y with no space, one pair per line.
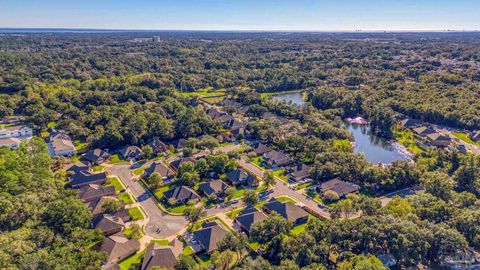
158,223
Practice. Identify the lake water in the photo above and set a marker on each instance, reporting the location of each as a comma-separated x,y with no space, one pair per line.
376,149
296,98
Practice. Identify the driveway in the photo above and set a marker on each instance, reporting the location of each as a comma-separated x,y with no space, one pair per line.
283,189
448,132
159,224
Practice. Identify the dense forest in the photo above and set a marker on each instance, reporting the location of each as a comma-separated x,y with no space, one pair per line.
42,224
113,89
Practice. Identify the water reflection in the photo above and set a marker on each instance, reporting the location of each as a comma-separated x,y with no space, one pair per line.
376,149
295,98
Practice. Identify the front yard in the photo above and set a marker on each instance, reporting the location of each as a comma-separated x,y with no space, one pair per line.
115,182
135,213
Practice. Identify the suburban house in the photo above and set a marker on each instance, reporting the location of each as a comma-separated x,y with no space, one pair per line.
158,146
424,130
209,236
96,156
180,144
21,132
242,177
78,167
131,152
276,159
226,137
261,149
60,144
161,168
181,195
117,247
437,139
213,187
408,123
474,135
247,217
340,187
96,206
108,224
298,172
288,210
239,132
92,192
176,163
162,256
12,143
82,178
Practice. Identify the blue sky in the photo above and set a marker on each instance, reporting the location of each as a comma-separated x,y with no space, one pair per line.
307,15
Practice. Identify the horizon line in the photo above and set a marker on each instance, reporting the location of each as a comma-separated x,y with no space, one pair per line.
239,30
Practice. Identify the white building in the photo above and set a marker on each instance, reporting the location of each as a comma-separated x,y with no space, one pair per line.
12,143
61,145
21,132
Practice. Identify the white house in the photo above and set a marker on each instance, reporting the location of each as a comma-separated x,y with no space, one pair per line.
12,143
21,132
60,144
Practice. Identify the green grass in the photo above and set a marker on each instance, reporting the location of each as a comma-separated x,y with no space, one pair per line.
159,192
464,137
280,175
51,124
188,251
298,229
139,171
407,139
254,245
314,196
81,147
161,242
256,160
115,159
114,182
128,233
286,199
98,168
135,259
177,209
234,213
303,186
214,99
204,259
135,213
125,198
205,93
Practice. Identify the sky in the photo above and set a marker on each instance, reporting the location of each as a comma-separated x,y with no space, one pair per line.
268,15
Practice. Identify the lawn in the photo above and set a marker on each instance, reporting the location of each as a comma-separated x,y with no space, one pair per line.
135,213
51,124
298,229
280,175
214,99
135,259
139,171
286,199
407,139
178,209
234,213
188,251
464,137
254,245
303,186
98,168
159,191
115,159
256,160
238,193
125,198
114,182
161,242
314,196
80,146
204,259
128,232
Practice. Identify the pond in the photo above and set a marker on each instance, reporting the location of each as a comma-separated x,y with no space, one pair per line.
296,98
376,149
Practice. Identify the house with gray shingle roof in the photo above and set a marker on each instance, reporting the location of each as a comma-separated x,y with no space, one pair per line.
249,216
209,236
162,256
182,194
117,247
288,210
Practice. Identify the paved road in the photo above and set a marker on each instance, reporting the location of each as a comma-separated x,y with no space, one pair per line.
283,189
167,225
448,132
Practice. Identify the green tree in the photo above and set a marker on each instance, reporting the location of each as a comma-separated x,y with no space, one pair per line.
268,179
250,197
266,230
147,151
438,184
